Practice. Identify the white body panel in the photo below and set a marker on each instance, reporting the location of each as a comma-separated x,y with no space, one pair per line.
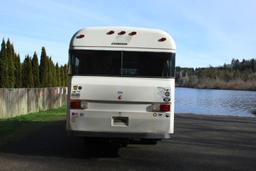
148,90
144,40
130,98
138,95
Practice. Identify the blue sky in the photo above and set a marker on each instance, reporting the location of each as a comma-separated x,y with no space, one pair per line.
206,32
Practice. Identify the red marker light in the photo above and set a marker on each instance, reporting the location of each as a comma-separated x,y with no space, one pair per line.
132,33
121,32
162,39
80,36
110,32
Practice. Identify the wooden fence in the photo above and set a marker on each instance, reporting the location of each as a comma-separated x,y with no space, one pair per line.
20,101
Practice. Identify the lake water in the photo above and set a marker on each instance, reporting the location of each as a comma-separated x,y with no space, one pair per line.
215,102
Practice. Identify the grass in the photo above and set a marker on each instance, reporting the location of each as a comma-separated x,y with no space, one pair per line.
13,129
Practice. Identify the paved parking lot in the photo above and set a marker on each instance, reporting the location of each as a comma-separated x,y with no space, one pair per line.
199,143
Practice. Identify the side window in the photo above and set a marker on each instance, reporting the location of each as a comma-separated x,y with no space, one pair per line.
69,65
172,65
75,62
166,69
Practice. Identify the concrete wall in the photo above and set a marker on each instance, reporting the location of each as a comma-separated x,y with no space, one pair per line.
20,101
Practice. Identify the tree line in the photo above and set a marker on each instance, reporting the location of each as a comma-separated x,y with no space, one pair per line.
236,75
30,73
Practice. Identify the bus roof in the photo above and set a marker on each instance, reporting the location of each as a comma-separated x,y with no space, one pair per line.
122,38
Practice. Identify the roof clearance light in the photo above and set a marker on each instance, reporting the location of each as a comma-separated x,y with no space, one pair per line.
162,39
110,32
132,33
80,36
121,33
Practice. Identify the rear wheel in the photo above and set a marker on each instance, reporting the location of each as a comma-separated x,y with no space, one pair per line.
101,147
145,141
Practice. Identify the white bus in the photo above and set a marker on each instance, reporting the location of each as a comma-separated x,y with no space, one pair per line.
121,84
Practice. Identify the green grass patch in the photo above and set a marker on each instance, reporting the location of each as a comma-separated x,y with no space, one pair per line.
13,129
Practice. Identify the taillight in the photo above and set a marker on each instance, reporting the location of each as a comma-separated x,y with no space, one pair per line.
161,107
75,104
78,104
165,107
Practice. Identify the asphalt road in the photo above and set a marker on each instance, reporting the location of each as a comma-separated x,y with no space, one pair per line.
199,143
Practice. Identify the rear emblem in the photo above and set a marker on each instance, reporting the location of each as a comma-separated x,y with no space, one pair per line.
119,97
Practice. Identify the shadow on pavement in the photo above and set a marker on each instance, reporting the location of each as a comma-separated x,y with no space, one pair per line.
52,140
199,143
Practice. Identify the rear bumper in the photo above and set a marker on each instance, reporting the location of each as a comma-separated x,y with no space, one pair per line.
120,135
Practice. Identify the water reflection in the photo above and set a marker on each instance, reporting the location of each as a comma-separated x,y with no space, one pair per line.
215,102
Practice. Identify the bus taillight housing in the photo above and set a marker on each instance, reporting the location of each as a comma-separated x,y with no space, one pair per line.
161,107
75,104
78,104
165,107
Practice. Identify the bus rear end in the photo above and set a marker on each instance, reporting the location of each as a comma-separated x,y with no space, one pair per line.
121,93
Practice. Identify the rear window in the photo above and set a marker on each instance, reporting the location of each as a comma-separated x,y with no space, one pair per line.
122,63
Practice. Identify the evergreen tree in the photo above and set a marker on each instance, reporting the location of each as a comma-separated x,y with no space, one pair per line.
35,70
51,73
54,79
65,75
10,64
62,75
2,51
57,71
54,75
43,68
18,71
3,66
27,73
13,73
